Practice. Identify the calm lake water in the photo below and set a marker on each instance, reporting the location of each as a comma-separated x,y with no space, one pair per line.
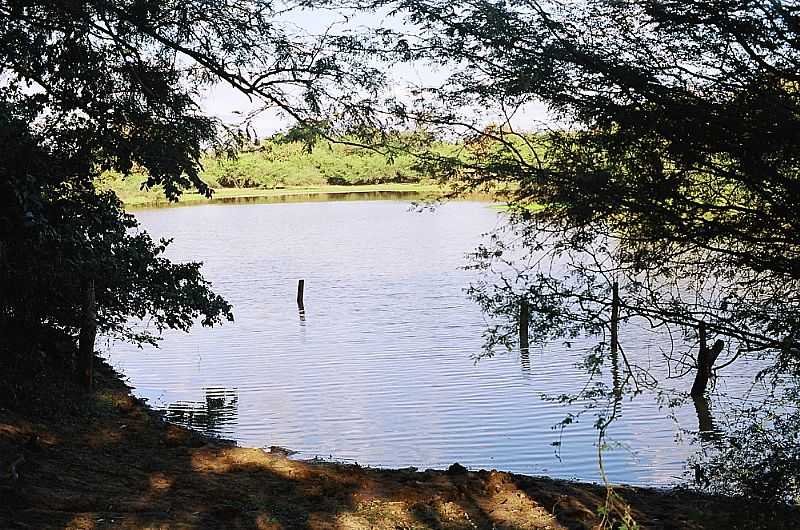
379,370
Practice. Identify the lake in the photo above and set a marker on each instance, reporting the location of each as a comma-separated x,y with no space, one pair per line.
379,369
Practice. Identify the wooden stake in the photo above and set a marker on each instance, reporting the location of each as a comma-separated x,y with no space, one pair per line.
300,288
86,339
614,318
524,319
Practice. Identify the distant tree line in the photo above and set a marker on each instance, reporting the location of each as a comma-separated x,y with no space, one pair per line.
286,159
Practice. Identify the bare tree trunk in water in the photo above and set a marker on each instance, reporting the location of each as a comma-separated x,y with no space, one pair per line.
86,340
705,362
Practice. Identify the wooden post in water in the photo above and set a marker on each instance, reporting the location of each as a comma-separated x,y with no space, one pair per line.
614,318
524,319
300,288
615,372
706,358
86,339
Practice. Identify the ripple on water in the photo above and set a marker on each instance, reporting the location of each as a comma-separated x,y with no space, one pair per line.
379,371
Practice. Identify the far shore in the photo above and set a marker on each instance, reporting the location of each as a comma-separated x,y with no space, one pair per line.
155,198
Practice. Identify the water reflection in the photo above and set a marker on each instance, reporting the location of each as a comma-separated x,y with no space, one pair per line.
324,197
302,197
525,360
216,415
615,373
386,374
706,428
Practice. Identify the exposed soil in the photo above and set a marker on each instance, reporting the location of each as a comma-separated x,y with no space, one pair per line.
112,463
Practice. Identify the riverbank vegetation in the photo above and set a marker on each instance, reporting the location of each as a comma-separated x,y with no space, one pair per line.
289,163
132,195
281,165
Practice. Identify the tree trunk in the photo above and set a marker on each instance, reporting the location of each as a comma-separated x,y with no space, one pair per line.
3,280
86,340
705,362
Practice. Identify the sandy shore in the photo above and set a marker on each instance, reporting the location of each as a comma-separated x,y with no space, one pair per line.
112,463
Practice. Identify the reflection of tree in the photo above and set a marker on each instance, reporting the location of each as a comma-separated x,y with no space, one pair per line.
219,410
759,458
706,429
525,360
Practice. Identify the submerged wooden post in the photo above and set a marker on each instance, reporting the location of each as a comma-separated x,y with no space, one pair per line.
300,288
524,319
705,362
86,339
614,318
615,372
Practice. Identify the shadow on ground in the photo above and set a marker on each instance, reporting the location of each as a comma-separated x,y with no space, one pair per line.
113,464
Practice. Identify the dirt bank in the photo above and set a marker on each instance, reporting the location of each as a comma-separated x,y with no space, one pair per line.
111,463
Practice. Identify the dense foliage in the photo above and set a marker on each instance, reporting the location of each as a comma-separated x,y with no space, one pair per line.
278,162
684,151
96,85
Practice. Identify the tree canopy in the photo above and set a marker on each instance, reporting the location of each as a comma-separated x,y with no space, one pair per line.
88,86
680,160
672,169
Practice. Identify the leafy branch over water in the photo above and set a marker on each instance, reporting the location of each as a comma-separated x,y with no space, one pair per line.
675,173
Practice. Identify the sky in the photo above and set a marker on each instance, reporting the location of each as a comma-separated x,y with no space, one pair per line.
229,105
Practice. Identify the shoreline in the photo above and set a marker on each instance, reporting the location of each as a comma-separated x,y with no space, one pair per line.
155,199
117,464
